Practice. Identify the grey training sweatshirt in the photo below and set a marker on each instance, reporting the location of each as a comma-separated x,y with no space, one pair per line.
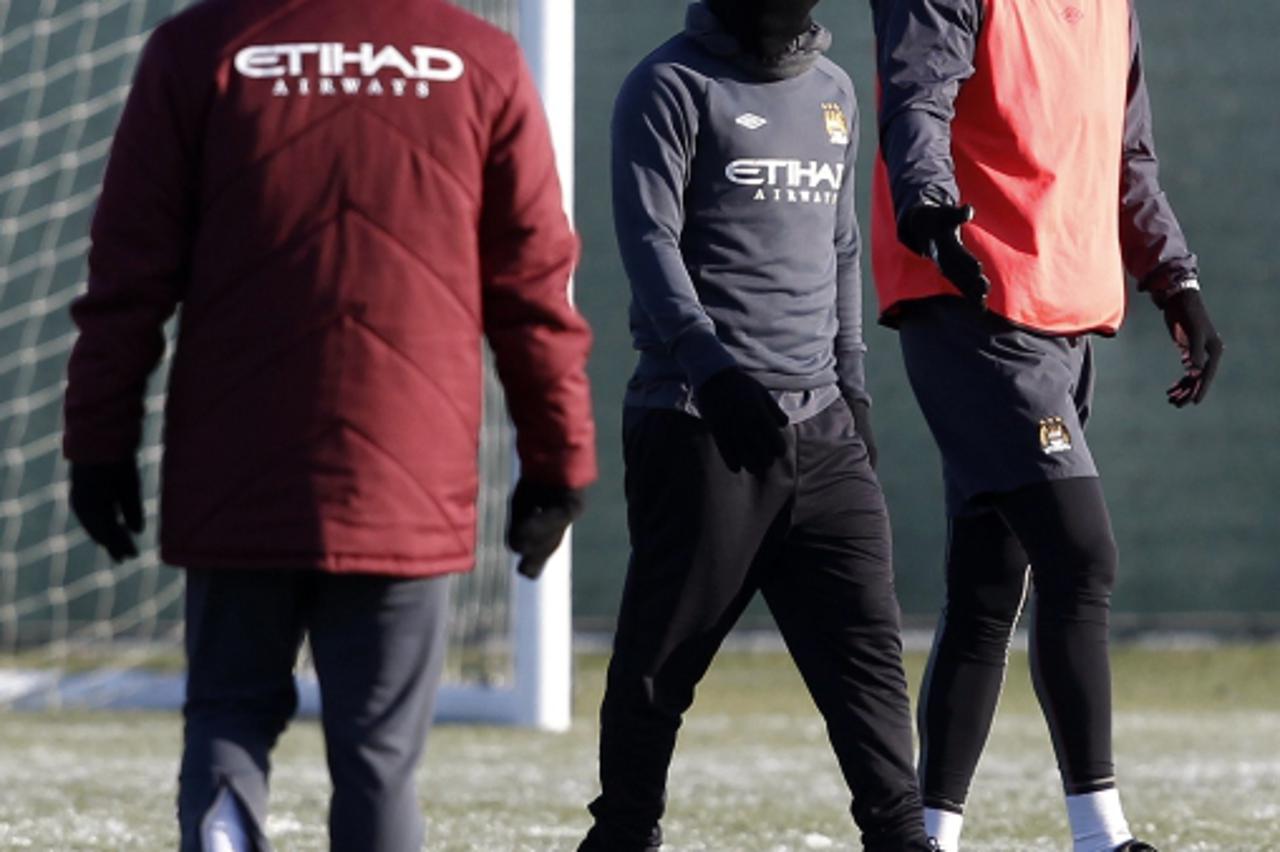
733,204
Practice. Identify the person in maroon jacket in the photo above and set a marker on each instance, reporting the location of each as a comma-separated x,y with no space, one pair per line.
345,200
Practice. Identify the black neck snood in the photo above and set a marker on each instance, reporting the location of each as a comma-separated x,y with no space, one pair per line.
765,28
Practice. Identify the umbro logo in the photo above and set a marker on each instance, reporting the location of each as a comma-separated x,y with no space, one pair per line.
751,121
1073,14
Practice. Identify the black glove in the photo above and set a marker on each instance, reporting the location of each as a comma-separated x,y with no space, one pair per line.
744,420
862,420
1200,346
539,516
102,495
933,230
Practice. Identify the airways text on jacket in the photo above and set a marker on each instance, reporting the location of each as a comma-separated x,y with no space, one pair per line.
788,180
327,68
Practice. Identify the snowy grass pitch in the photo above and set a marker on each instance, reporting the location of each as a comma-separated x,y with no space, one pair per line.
1197,734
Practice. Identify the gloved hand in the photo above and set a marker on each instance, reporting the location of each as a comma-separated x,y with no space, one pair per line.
539,516
744,420
933,230
862,420
1200,346
102,495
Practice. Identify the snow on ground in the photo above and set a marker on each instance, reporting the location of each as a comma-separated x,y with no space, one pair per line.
753,773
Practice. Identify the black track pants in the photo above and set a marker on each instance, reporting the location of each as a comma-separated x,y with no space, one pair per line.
812,535
378,647
1062,530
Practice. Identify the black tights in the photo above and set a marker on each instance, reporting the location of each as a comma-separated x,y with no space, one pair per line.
1062,532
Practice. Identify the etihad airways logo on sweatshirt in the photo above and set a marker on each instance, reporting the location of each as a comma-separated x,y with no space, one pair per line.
788,181
327,69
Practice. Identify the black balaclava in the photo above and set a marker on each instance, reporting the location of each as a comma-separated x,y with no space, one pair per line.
765,28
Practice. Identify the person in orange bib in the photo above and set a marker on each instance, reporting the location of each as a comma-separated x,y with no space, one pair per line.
1017,184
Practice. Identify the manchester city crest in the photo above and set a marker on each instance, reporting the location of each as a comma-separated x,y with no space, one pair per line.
1055,437
836,123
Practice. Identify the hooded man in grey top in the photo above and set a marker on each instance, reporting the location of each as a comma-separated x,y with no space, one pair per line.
733,204
746,437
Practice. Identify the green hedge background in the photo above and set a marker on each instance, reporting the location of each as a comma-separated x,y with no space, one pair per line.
1194,494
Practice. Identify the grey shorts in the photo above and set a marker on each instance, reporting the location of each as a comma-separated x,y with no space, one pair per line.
1006,406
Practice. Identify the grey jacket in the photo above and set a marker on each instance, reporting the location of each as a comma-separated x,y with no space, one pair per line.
733,204
925,51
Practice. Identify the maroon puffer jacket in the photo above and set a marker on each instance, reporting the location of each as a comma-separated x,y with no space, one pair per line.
344,198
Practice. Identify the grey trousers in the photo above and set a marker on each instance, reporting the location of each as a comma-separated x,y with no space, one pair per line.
378,647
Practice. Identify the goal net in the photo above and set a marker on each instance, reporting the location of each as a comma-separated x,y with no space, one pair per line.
76,630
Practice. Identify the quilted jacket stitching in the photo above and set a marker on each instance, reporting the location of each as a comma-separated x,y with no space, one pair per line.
246,170
381,229
444,394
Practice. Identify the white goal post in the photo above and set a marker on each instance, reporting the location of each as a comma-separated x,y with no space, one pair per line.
76,631
542,688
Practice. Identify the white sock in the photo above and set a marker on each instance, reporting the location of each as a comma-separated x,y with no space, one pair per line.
1097,821
222,829
944,827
